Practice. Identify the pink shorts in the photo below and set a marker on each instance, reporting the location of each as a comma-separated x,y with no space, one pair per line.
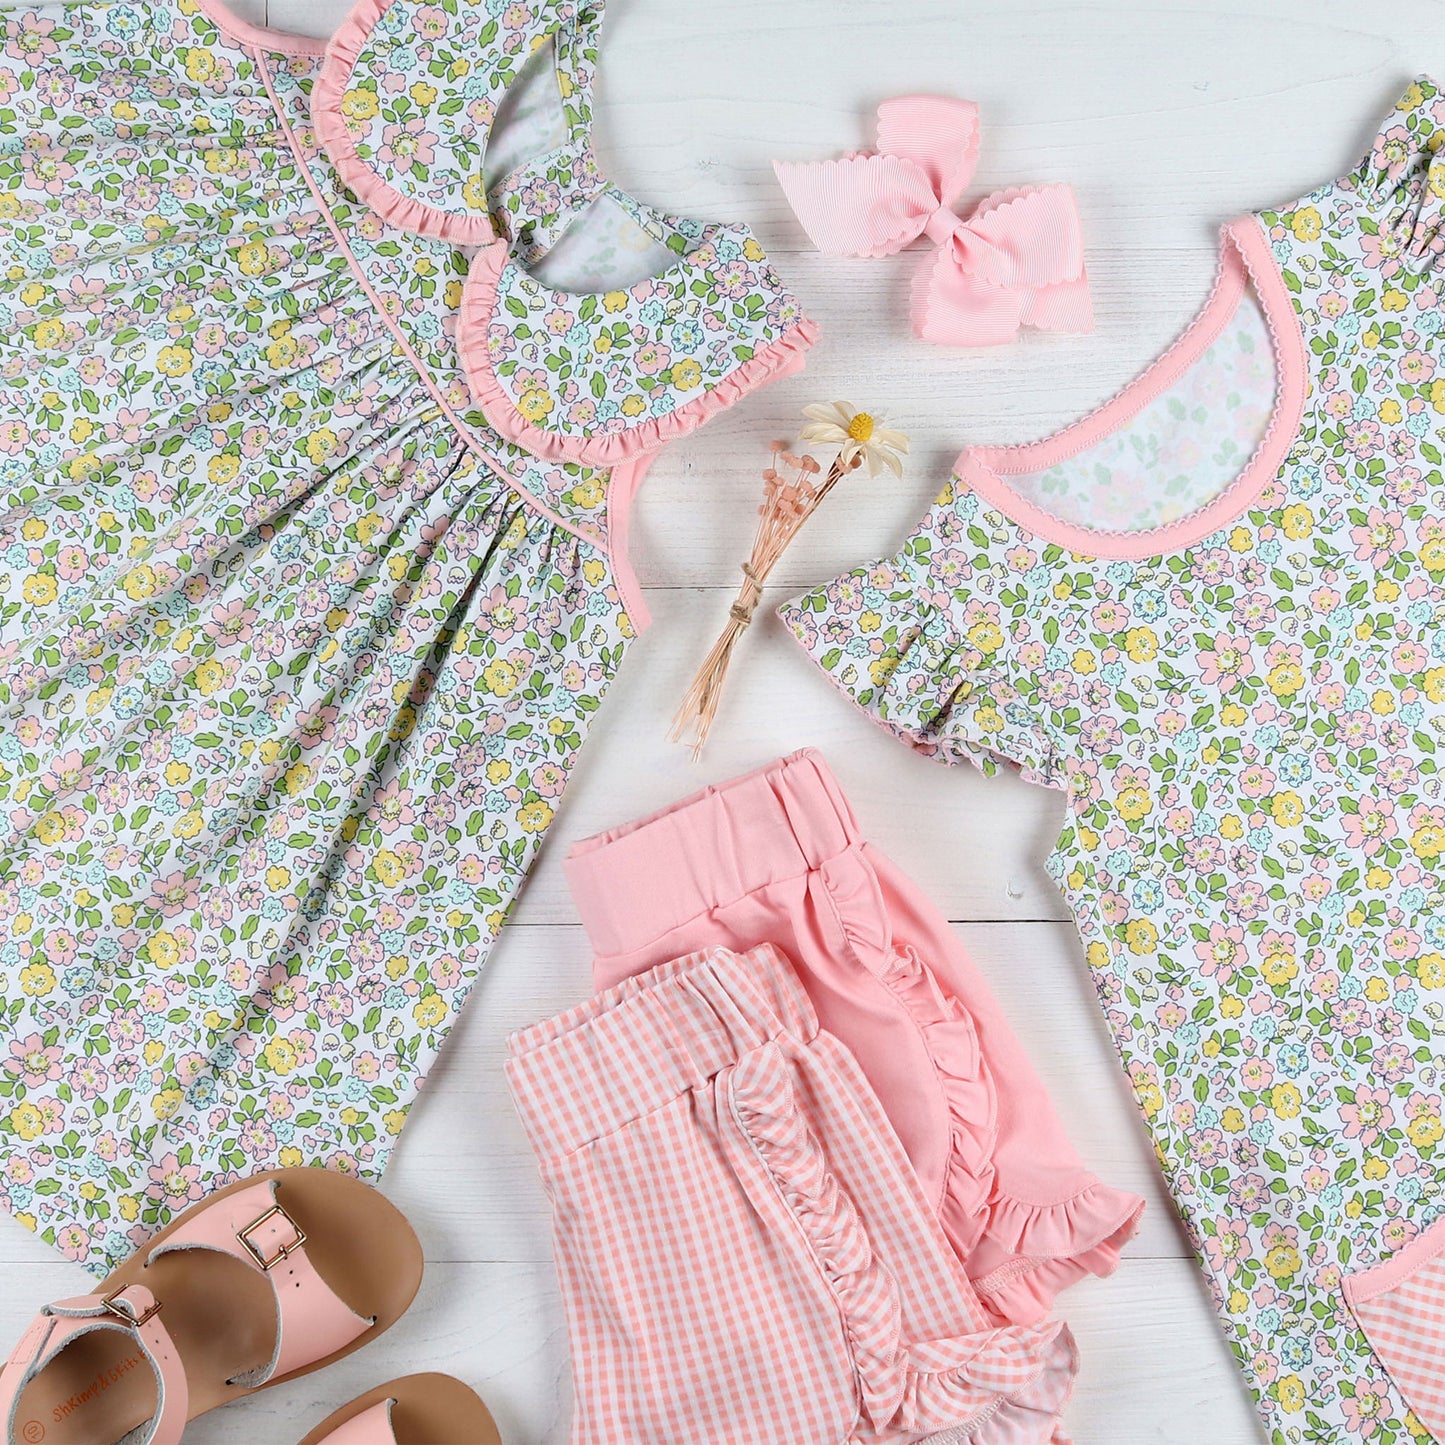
745,1252
775,857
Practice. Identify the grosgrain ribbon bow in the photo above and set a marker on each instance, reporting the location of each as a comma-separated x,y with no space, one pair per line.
1016,259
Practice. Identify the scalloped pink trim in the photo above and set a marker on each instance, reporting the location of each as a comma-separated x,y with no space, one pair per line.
1244,256
779,358
342,54
243,32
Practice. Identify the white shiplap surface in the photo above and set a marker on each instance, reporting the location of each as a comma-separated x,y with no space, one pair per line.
1167,118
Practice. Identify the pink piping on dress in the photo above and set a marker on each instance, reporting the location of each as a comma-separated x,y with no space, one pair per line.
243,32
622,487
478,308
1244,256
463,432
342,54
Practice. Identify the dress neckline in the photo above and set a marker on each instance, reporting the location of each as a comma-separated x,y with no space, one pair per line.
264,37
1244,258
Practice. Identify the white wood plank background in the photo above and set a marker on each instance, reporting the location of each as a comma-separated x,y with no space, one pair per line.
1168,119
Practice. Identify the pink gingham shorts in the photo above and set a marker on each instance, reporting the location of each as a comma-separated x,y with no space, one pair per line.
776,857
746,1255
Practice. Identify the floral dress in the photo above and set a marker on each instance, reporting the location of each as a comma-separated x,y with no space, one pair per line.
313,505
1213,615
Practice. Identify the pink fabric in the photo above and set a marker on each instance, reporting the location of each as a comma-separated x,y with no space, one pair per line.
371,1427
783,357
59,1324
312,1321
1244,257
1401,1308
744,1250
1018,258
776,857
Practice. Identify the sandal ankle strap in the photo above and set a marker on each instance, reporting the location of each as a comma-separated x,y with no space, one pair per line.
251,1225
132,1309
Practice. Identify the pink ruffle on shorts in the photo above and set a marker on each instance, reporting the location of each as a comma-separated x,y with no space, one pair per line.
746,1255
775,857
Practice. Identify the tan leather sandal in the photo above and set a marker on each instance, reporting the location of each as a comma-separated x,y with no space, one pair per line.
268,1279
415,1410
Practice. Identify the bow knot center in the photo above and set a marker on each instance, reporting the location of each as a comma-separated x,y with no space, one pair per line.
943,225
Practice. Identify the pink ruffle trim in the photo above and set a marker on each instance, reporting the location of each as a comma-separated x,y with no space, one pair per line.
342,55
478,310
1019,1256
1010,1384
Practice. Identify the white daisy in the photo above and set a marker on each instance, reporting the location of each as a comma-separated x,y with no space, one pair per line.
858,435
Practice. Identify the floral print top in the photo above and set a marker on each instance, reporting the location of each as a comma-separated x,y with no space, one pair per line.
297,643
1245,708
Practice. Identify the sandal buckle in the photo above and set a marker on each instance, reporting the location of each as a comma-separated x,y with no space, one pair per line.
123,1310
284,1251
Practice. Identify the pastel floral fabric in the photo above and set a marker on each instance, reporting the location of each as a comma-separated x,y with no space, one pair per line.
584,366
1248,731
296,651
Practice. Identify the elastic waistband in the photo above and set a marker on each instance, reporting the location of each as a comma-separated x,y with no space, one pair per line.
642,880
627,1052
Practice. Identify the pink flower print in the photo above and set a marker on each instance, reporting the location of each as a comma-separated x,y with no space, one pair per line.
651,358
316,725
30,40
501,615
1409,657
1378,540
231,623
1368,1116
33,1062
1229,1247
392,807
1256,1074
71,562
1248,899
1381,251
430,22
1228,663
1222,952
1370,1403
175,894
175,1184
407,145
1372,827
66,773
13,437
89,1079
74,1242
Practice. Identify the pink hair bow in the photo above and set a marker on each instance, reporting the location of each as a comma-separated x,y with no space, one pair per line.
1016,259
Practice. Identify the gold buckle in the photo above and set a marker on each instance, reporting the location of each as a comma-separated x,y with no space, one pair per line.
124,1311
284,1252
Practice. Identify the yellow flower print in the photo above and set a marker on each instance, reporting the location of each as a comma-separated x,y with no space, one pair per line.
1430,970
175,360
389,868
1142,644
253,258
9,205
1286,679
200,64
753,251
39,589
1425,1130
1135,803
1434,684
474,194
1287,809
1286,1101
423,94
1382,702
27,1121
429,1011
164,949
129,1206
37,980
1085,663
189,824
278,879
986,636
686,374
49,333
1141,937
1289,1390
1390,412
988,719
1151,1098
167,1104
535,404
209,677
1393,300
1097,955
281,1056
588,494
1305,223
141,582
1386,590
1298,522
223,468
634,405
614,301
1240,540
498,771
1233,1120
360,104
1428,842
298,779
292,1157
368,526
501,677
393,1120
594,571
281,353
535,816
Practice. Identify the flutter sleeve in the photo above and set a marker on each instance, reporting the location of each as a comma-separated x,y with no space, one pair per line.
942,644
